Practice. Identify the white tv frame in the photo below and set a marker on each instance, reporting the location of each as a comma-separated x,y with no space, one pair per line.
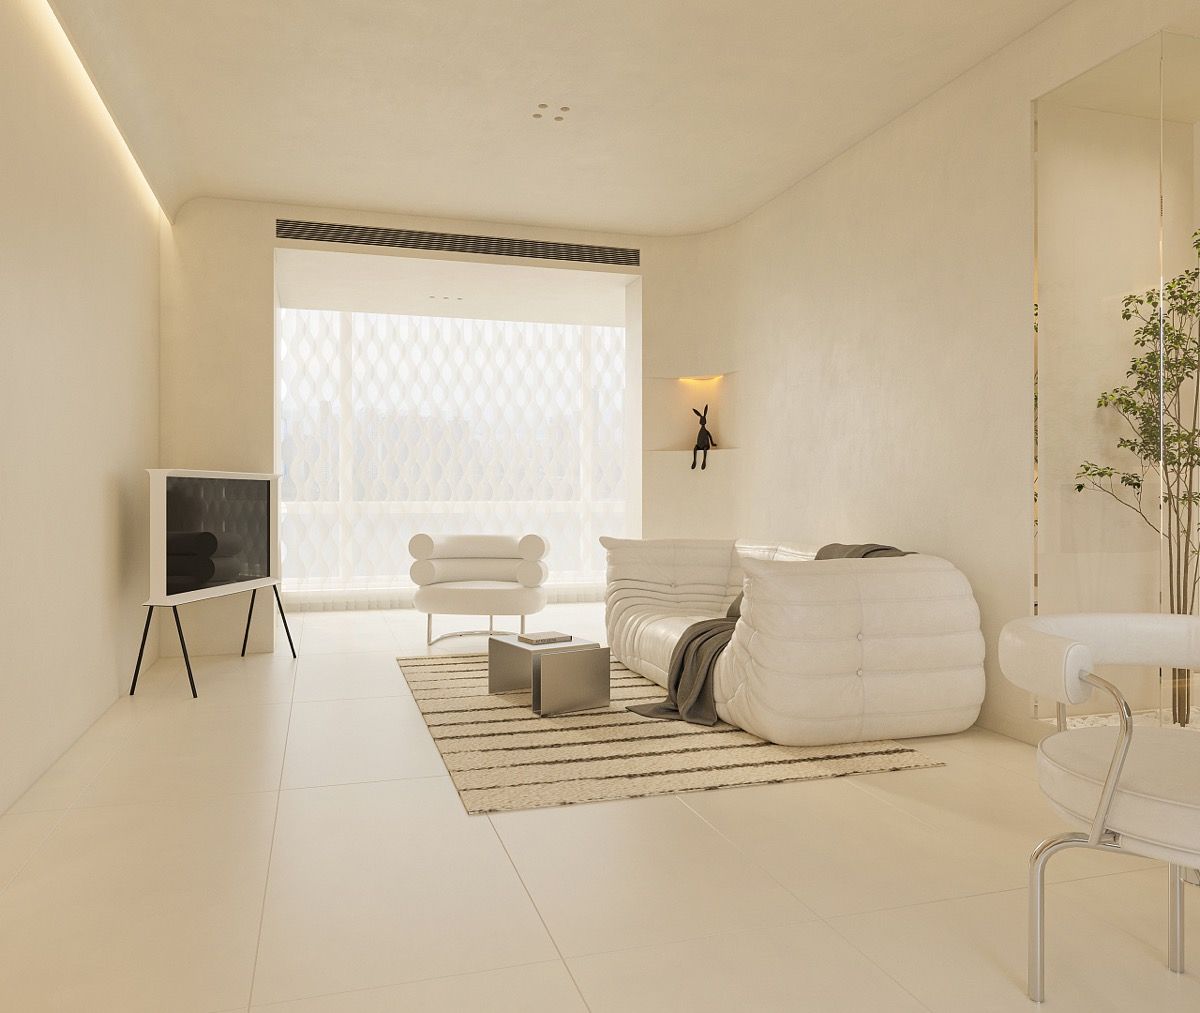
158,538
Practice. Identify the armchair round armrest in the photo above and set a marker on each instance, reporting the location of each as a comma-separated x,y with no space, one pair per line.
532,572
532,548
1049,655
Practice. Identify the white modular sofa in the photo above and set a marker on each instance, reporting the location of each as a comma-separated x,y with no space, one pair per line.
825,651
477,575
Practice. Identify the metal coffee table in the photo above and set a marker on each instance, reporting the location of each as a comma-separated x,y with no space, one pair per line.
563,677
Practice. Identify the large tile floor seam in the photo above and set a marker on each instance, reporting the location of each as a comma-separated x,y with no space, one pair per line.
34,851
875,963
100,767
398,984
717,933
882,797
262,910
541,917
748,857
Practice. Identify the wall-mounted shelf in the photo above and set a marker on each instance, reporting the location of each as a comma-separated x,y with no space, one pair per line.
667,402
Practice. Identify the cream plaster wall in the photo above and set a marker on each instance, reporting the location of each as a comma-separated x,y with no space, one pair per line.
883,329
688,315
877,314
79,413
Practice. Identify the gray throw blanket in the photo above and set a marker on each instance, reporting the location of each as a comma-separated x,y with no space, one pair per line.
867,550
689,678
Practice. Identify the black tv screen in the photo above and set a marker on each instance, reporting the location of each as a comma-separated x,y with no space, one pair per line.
218,531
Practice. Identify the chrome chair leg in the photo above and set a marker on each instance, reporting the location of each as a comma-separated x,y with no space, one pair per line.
1175,918
491,631
1037,906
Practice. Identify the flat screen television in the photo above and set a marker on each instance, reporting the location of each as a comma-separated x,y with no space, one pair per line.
211,533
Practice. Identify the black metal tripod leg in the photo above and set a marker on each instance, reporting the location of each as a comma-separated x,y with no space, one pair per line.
249,616
183,644
279,602
142,649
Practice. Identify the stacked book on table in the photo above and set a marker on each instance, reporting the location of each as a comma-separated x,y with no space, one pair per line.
542,639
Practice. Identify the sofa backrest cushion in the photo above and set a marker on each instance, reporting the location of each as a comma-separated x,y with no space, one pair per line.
915,595
762,550
700,575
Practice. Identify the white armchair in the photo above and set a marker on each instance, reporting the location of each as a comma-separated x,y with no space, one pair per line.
477,575
1138,793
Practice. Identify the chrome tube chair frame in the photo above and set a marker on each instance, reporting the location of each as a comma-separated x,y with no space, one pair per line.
491,631
1098,837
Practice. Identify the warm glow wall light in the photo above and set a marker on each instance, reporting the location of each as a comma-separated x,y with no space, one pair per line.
62,49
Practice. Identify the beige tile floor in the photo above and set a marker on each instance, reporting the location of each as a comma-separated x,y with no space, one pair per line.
291,842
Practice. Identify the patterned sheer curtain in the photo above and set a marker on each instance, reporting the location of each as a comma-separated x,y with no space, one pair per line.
390,425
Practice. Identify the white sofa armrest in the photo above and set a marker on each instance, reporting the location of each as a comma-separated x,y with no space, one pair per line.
845,650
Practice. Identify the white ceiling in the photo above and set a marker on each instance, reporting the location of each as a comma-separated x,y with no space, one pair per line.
371,283
684,115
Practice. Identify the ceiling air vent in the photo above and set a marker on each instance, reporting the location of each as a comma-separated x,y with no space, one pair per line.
495,246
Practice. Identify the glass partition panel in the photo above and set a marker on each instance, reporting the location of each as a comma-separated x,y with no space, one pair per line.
1180,312
1099,144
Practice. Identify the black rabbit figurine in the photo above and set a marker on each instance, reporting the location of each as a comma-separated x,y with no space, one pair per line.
704,439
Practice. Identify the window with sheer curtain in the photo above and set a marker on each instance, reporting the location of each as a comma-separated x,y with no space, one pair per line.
390,425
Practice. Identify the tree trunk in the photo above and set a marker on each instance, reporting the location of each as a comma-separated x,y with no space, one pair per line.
1181,696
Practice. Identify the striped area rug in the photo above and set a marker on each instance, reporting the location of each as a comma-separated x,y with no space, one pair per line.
503,757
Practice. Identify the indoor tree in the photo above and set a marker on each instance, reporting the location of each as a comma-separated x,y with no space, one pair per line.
1162,372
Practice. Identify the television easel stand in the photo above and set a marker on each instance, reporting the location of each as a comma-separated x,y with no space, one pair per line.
187,661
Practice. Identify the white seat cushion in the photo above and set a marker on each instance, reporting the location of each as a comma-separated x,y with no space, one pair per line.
480,598
651,634
1156,809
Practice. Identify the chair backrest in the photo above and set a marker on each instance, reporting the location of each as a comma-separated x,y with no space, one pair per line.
1049,655
447,558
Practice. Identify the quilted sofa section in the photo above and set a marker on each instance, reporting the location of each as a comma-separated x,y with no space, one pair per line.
657,589
846,650
825,651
